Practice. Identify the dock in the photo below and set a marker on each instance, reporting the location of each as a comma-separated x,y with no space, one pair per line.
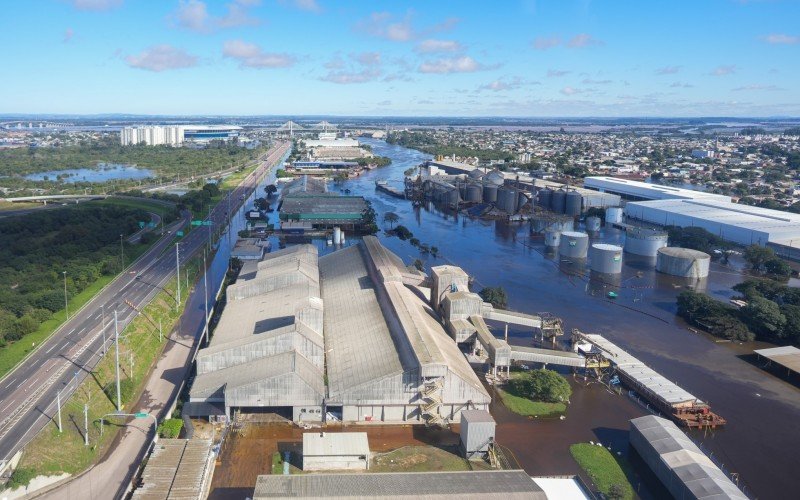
669,398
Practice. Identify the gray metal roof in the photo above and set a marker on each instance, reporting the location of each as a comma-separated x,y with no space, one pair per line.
680,458
476,416
176,469
320,444
501,484
787,356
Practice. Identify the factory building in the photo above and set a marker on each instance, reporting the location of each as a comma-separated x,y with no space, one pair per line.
307,204
742,224
637,190
348,333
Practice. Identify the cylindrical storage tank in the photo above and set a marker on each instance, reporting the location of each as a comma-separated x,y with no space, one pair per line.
545,198
474,193
643,241
462,190
507,200
489,193
337,235
593,224
614,215
574,244
522,199
559,201
573,203
606,259
452,196
552,238
495,177
683,262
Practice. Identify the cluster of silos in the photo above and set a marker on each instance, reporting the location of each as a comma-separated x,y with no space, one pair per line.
644,242
573,245
683,262
510,199
560,201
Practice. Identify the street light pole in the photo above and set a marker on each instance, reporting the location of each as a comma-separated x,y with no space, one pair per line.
66,304
58,404
116,345
121,255
178,275
205,292
85,424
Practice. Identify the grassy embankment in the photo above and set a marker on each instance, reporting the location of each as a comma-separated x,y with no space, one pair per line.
13,353
606,471
52,452
522,405
421,459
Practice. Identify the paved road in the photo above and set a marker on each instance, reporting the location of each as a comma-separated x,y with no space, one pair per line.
28,393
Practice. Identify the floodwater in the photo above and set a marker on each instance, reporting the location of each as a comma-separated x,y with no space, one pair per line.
762,434
103,172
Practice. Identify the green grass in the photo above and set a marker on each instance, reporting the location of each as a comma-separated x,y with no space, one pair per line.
53,452
603,468
277,463
142,203
419,459
7,205
526,407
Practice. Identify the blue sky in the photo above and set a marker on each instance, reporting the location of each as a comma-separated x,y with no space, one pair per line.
466,58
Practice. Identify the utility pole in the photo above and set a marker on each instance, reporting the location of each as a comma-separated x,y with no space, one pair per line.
58,404
178,274
121,255
66,303
160,333
205,292
85,424
116,344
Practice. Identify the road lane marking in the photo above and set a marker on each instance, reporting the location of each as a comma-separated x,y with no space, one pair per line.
48,351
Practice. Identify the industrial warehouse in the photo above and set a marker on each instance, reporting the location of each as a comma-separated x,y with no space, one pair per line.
306,204
350,334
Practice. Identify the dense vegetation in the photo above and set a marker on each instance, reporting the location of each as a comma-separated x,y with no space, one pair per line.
541,385
695,238
496,296
379,161
763,260
35,249
426,143
196,200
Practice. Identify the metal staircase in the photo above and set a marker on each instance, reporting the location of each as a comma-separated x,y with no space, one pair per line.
431,396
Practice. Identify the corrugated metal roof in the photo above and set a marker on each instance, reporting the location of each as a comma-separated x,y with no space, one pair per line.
685,461
788,356
501,484
176,469
317,444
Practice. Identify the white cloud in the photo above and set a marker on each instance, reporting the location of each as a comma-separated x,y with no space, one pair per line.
251,55
544,43
570,91
589,81
680,85
96,4
68,34
306,5
463,64
193,15
724,70
781,39
385,25
364,67
431,45
161,58
347,77
583,40
668,70
555,73
757,87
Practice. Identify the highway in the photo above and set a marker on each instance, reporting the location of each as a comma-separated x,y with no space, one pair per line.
28,393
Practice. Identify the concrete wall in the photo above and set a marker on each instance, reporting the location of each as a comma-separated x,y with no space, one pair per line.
335,462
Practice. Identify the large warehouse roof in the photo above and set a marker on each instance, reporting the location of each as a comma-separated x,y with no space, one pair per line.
683,468
499,484
647,191
743,224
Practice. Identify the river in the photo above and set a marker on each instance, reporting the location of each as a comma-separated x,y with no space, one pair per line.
762,411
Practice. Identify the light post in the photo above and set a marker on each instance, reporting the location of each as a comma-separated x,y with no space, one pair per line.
205,292
116,346
66,303
178,275
121,255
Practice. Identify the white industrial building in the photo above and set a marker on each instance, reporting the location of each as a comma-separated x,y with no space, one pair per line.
734,222
348,333
637,190
176,135
335,451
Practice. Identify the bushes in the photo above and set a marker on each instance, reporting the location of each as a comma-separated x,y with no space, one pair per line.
22,476
403,233
170,428
695,238
717,318
541,385
126,389
495,296
764,260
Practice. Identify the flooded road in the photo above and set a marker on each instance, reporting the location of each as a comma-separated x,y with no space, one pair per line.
762,411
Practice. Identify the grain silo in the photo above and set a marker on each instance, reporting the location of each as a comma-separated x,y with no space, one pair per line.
574,244
613,215
495,177
522,199
474,193
452,197
545,198
683,262
489,193
606,259
507,200
559,201
593,224
573,203
643,241
552,238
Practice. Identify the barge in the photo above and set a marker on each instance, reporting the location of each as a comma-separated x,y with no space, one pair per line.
667,397
386,188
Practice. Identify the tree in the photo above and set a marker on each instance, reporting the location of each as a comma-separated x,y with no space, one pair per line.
261,203
270,189
764,317
419,265
757,256
403,233
791,330
616,492
495,296
391,217
542,385
778,268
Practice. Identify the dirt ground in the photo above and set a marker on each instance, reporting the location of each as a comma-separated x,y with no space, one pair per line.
248,453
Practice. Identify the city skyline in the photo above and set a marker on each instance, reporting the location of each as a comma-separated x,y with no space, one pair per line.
314,57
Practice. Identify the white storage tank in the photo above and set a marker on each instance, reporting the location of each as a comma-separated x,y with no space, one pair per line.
593,224
337,235
552,238
643,241
613,215
683,262
574,244
606,259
